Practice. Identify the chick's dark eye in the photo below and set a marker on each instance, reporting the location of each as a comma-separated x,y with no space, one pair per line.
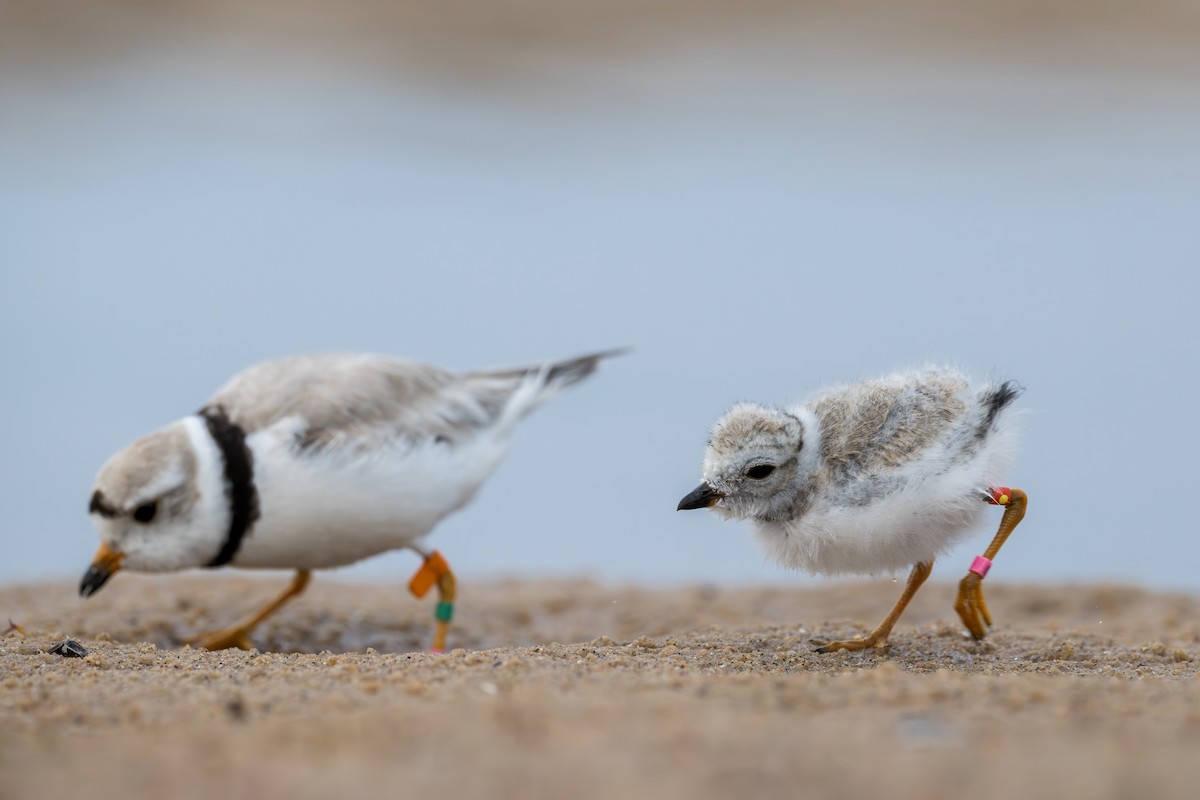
760,471
145,512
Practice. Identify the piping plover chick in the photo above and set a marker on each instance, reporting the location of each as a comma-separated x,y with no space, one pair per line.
313,462
870,478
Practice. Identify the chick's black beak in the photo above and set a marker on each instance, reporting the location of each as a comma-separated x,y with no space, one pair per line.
703,496
105,563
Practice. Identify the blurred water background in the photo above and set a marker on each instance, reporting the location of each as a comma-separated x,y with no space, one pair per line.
759,197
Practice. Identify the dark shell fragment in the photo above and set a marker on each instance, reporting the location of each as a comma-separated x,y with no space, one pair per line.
69,648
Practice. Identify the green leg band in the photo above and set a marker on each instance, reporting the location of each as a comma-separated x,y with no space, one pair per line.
444,612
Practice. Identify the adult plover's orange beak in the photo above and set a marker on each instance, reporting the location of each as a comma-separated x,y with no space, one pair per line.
703,496
104,564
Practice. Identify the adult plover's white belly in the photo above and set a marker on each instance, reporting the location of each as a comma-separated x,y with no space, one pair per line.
329,509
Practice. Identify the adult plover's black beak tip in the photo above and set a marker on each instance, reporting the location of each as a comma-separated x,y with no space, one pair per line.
703,496
104,564
93,579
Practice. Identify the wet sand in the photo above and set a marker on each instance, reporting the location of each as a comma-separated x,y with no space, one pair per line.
569,688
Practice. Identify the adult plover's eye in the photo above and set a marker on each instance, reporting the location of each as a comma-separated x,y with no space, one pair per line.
759,472
145,512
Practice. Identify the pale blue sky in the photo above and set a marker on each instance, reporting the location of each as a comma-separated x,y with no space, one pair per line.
752,231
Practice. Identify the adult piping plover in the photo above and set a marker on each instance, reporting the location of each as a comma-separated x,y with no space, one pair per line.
869,478
312,462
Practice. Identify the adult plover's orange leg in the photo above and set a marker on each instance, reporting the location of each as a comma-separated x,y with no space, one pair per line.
435,570
239,635
879,636
970,604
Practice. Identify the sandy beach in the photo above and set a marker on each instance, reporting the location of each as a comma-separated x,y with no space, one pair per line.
150,157
568,688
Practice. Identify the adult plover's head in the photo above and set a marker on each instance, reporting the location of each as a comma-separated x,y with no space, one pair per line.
153,505
756,458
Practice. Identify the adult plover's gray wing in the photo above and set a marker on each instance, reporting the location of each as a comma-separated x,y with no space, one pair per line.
340,399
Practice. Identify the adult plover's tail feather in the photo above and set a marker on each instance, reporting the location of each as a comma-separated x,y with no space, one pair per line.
559,373
572,371
994,401
535,384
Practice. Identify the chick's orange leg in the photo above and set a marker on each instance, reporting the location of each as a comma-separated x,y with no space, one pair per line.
970,605
435,571
880,635
239,635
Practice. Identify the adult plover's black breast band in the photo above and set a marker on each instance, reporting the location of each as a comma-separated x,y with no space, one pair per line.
239,480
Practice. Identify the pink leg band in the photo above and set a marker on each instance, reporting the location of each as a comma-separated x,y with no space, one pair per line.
980,566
